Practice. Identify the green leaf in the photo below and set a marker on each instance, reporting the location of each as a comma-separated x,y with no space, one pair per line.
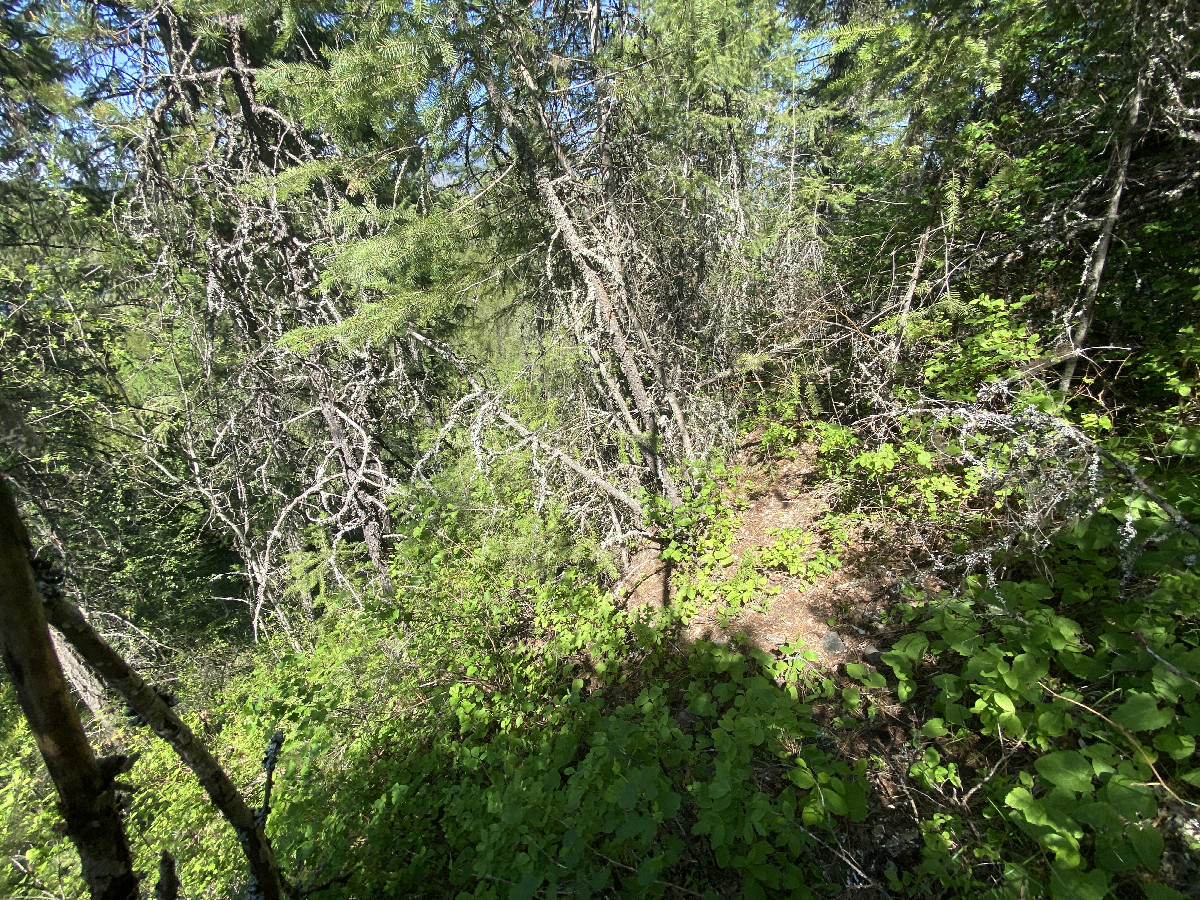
752,890
1162,892
1005,702
1066,769
1099,817
856,801
628,797
1148,844
526,887
1131,802
1174,745
802,777
934,728
1023,801
1114,853
1141,713
646,873
834,802
912,646
1072,884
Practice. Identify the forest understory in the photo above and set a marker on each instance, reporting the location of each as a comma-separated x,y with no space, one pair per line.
540,449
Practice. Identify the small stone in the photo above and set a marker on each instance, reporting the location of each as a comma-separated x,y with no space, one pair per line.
686,720
832,644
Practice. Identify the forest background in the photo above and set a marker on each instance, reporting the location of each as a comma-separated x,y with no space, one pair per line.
353,352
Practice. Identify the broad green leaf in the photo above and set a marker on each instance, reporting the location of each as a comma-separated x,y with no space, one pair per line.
752,890
1066,769
1114,853
1148,844
526,887
1130,801
934,728
1024,802
834,802
1162,892
1005,702
1099,816
1142,713
856,801
1072,884
802,777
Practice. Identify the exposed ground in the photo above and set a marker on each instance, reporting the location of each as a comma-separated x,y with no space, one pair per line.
839,617
836,615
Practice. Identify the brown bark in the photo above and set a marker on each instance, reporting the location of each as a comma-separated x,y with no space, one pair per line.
86,797
144,701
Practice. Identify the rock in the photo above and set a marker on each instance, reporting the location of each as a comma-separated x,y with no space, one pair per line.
832,644
686,720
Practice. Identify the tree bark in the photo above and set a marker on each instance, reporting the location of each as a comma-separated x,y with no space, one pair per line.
86,798
578,251
371,518
1094,270
146,702
616,333
87,687
910,293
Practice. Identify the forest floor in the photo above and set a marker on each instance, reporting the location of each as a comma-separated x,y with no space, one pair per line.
838,615
841,616
845,613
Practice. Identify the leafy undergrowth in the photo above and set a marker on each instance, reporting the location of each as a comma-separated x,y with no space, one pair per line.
509,734
1054,724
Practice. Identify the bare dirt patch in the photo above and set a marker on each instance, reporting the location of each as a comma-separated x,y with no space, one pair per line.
833,615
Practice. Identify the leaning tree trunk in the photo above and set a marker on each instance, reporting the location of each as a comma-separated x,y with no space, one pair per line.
153,710
581,256
1093,271
86,796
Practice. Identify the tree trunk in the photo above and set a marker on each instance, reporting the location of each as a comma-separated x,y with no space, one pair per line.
87,687
146,702
371,518
616,333
910,293
1094,270
598,292
86,797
